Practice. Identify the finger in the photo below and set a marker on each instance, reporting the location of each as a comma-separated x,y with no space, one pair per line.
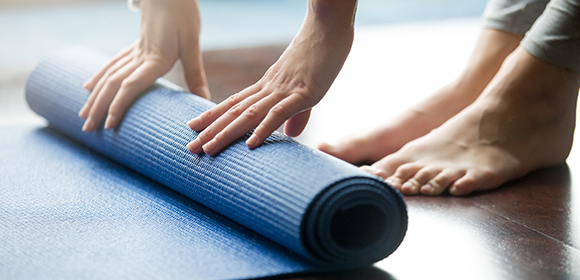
108,92
139,80
295,125
223,121
86,109
202,121
282,111
90,83
192,62
248,120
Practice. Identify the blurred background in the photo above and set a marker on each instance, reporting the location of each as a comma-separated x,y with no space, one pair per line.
240,38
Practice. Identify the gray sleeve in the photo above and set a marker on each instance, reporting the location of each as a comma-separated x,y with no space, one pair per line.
516,16
555,36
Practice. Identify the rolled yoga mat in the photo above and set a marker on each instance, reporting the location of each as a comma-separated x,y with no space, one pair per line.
325,213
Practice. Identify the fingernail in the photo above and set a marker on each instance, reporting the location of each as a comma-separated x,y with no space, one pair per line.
193,124
87,127
193,146
251,142
82,112
110,122
209,147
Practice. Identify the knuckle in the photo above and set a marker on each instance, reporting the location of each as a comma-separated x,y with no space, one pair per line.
251,112
222,137
206,135
204,117
306,99
279,94
108,72
116,109
128,83
278,109
301,86
114,81
258,86
264,130
233,100
260,129
235,111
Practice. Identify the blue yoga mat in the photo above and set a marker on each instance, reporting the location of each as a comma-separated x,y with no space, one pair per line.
134,201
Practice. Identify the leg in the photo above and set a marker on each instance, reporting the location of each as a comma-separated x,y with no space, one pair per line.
524,120
490,51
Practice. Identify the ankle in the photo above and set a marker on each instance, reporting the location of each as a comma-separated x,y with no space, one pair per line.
526,77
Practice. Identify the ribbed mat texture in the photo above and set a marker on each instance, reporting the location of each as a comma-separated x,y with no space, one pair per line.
324,209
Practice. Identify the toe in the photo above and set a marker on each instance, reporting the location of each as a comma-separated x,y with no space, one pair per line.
343,152
480,179
410,187
442,181
353,150
463,186
373,170
402,174
388,165
413,185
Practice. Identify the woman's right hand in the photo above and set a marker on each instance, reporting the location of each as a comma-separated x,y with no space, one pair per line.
169,31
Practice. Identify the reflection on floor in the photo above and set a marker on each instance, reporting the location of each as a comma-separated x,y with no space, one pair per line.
527,229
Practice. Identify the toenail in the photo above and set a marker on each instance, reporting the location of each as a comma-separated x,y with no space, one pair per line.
435,185
407,185
394,182
453,190
412,184
428,188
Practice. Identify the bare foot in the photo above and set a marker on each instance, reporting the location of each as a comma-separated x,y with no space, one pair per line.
490,51
524,120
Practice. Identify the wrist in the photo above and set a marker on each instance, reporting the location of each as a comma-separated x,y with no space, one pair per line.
332,15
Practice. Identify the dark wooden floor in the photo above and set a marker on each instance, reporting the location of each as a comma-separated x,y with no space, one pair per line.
527,229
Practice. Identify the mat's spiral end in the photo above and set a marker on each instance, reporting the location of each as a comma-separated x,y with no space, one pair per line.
356,222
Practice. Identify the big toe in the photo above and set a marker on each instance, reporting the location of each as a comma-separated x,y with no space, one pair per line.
476,180
351,151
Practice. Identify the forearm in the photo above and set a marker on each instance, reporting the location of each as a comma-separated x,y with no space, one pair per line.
289,89
332,14
184,13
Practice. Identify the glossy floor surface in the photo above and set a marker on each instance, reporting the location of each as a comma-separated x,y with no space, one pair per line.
527,229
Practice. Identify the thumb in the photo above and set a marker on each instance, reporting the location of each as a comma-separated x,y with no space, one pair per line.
194,71
296,124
